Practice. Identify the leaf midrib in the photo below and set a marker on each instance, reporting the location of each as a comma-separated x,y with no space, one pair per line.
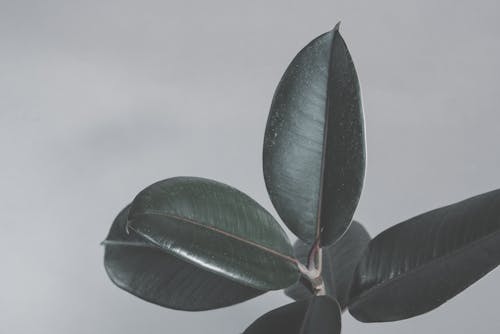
419,268
325,138
128,243
220,231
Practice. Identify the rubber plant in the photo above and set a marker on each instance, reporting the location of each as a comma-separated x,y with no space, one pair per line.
194,244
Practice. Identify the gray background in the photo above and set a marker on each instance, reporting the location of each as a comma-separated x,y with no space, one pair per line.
100,98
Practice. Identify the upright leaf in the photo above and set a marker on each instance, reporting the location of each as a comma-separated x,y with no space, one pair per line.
339,262
316,315
419,264
146,271
314,152
217,228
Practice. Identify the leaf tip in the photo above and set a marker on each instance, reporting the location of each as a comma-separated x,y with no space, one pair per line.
337,27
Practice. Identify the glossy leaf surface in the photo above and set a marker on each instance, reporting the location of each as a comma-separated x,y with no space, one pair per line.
217,228
316,315
314,147
419,264
149,273
339,262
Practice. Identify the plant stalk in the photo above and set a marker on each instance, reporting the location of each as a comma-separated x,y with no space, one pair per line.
313,270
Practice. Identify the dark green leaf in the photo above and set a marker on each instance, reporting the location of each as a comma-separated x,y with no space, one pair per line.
419,264
149,273
339,263
316,315
217,228
314,147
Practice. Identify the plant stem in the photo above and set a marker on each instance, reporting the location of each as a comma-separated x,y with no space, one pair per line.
313,270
